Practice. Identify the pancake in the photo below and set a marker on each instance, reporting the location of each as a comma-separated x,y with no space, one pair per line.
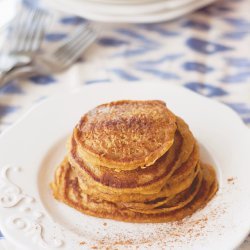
171,203
66,189
163,197
144,180
154,187
125,135
171,188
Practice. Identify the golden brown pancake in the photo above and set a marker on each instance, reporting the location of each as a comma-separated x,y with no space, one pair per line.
171,203
67,189
125,135
163,197
144,180
153,188
171,188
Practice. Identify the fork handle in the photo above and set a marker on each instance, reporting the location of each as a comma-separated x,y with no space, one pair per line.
25,71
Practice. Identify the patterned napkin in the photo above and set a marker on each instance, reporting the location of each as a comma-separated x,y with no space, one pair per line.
207,52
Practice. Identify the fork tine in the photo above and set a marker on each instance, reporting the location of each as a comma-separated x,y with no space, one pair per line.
70,51
24,29
16,28
78,53
78,37
37,28
35,36
77,50
82,43
71,45
40,32
28,30
78,33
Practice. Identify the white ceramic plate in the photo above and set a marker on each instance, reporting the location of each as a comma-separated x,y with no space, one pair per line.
132,8
126,2
31,149
144,13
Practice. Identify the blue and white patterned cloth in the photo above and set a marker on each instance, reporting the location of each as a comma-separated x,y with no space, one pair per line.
207,52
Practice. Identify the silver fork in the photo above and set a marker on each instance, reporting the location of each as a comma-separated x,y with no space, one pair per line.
69,52
27,31
60,59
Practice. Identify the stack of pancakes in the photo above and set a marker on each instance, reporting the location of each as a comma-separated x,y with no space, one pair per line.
134,161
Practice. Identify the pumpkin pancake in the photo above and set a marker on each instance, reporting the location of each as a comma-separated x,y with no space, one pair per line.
144,180
154,187
67,190
171,188
163,197
125,135
171,203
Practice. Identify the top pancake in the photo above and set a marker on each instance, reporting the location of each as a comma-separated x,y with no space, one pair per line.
125,135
